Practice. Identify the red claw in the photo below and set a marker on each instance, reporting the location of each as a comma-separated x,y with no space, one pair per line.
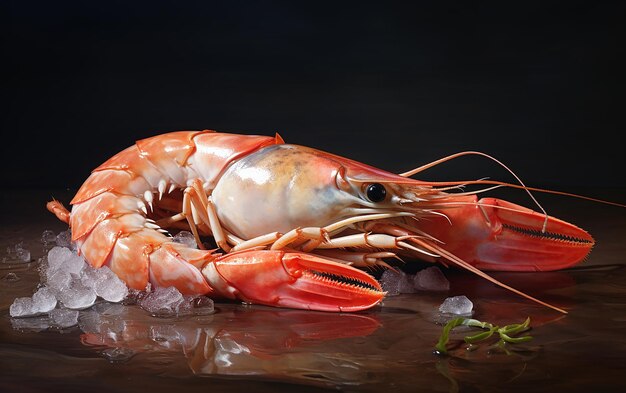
496,235
292,279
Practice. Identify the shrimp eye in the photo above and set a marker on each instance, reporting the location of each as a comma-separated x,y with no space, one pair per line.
376,192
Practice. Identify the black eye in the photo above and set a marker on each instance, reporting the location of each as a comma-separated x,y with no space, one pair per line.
376,192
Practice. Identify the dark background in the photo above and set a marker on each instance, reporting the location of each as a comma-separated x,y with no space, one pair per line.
540,86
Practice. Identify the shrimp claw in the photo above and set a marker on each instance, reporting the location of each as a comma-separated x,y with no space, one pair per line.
494,235
292,279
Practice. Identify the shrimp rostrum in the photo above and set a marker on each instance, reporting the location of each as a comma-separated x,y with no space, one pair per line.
293,226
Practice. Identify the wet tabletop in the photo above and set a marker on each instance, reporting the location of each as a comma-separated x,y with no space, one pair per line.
122,348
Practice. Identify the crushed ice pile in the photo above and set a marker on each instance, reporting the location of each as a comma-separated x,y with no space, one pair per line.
69,284
67,280
395,282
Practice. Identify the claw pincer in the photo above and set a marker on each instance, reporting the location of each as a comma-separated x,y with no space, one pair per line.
495,235
292,279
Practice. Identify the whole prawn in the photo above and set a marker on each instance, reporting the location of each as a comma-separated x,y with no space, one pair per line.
291,223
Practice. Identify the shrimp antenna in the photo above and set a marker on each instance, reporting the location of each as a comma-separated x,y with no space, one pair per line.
497,184
478,153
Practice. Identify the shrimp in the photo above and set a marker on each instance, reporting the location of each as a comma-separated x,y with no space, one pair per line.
294,226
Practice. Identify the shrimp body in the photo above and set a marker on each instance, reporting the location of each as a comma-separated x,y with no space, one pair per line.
291,222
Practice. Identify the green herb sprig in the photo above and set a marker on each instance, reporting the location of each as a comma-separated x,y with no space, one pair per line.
507,334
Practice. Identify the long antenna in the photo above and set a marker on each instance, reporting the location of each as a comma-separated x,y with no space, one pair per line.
478,153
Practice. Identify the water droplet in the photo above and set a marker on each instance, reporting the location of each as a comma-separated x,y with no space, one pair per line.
11,277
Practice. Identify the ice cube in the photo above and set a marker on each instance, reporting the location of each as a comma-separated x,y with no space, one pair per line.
162,301
135,296
431,279
22,307
202,305
89,276
186,307
460,305
186,238
109,286
406,284
40,303
105,283
77,296
395,282
389,281
195,305
64,239
44,300
65,259
58,280
63,317
68,275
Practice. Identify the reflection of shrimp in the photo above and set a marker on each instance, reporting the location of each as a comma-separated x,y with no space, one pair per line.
291,220
242,341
